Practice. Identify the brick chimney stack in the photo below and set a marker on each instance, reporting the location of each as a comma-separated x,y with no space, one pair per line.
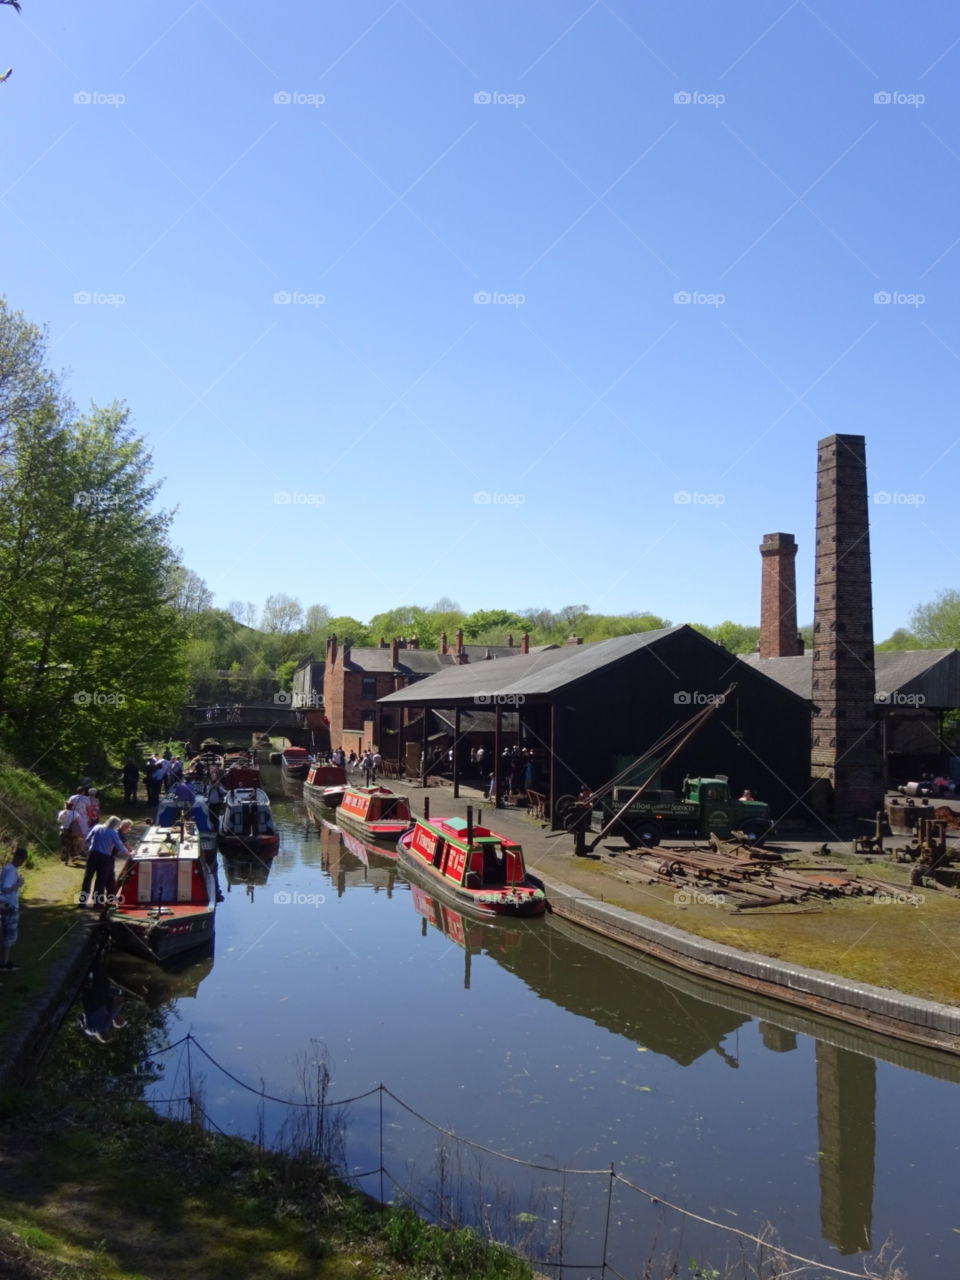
846,736
332,651
525,642
779,637
414,642
459,649
394,651
346,652
444,648
383,643
509,642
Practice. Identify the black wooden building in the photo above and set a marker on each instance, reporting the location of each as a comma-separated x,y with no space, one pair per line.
585,711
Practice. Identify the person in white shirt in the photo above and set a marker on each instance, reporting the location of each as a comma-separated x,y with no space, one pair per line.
81,805
71,841
11,882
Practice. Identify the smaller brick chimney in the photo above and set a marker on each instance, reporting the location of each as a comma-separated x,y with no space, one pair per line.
346,652
413,642
575,640
525,642
394,651
459,649
779,637
509,642
332,650
443,642
383,643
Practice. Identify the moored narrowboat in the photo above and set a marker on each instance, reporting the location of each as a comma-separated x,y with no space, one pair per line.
166,895
472,866
374,813
247,822
295,761
325,784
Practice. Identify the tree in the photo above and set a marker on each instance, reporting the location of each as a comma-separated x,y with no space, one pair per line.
482,621
901,639
282,615
244,612
937,625
189,594
446,605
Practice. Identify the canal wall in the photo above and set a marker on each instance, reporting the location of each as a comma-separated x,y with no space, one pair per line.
26,1042
872,1008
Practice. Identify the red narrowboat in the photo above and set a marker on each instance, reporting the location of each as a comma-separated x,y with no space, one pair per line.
374,813
325,784
166,896
473,867
295,761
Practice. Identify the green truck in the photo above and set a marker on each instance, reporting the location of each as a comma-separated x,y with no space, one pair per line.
704,806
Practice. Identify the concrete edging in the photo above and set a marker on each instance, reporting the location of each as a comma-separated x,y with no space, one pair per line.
892,1012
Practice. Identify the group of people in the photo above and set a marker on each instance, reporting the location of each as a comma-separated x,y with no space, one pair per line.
231,714
84,836
519,773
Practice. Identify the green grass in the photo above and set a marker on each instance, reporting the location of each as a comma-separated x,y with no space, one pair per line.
112,1192
28,811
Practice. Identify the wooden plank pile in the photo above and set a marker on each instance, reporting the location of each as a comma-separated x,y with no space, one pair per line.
741,877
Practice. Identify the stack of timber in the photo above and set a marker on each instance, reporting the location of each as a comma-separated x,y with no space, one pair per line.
744,877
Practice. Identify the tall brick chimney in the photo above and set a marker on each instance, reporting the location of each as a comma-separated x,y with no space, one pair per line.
846,736
779,637
443,642
332,650
525,642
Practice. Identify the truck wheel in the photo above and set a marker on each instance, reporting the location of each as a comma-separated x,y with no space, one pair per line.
648,833
564,805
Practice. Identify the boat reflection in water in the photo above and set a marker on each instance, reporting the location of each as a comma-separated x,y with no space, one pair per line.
352,863
243,866
475,937
177,980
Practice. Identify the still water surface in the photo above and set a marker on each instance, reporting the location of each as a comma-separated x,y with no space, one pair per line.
538,1041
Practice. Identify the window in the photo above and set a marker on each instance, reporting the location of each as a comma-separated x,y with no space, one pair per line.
369,686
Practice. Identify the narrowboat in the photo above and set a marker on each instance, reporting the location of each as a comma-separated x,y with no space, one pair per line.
374,813
325,784
472,867
166,895
295,761
247,822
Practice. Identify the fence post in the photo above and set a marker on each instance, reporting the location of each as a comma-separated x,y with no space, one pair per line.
606,1225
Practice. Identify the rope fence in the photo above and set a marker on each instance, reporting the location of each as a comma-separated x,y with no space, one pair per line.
576,1222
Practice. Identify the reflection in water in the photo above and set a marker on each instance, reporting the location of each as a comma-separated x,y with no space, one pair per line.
846,1106
352,864
246,868
475,937
154,985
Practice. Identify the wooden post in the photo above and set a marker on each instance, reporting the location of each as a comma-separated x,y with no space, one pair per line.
552,765
423,750
456,753
497,752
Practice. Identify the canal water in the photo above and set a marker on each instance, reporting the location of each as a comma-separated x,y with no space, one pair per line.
538,1041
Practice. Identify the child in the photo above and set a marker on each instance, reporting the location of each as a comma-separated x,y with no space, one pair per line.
11,882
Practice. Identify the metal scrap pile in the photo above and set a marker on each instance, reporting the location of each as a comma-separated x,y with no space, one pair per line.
733,875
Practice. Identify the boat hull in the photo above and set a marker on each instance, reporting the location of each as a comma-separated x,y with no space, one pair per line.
378,833
160,940
516,908
326,797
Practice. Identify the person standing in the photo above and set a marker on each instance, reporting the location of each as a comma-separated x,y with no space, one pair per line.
93,808
71,841
80,803
103,844
130,775
11,882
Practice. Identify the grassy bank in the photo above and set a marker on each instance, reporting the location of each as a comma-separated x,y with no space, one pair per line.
28,810
119,1194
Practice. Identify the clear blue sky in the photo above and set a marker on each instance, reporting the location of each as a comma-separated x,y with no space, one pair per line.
583,186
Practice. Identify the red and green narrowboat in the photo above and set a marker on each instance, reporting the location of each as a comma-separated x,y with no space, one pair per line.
295,761
166,896
325,784
375,814
472,867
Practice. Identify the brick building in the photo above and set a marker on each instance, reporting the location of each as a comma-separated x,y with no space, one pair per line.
354,679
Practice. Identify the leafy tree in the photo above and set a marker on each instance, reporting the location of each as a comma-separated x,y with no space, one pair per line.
244,612
483,622
349,631
937,625
282,614
189,594
901,639
285,673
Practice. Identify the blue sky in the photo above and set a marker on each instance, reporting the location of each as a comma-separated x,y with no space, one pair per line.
283,216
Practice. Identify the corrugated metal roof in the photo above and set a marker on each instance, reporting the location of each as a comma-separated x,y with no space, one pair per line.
527,675
930,674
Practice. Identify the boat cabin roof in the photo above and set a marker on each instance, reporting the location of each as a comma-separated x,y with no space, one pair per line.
164,843
456,829
300,753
